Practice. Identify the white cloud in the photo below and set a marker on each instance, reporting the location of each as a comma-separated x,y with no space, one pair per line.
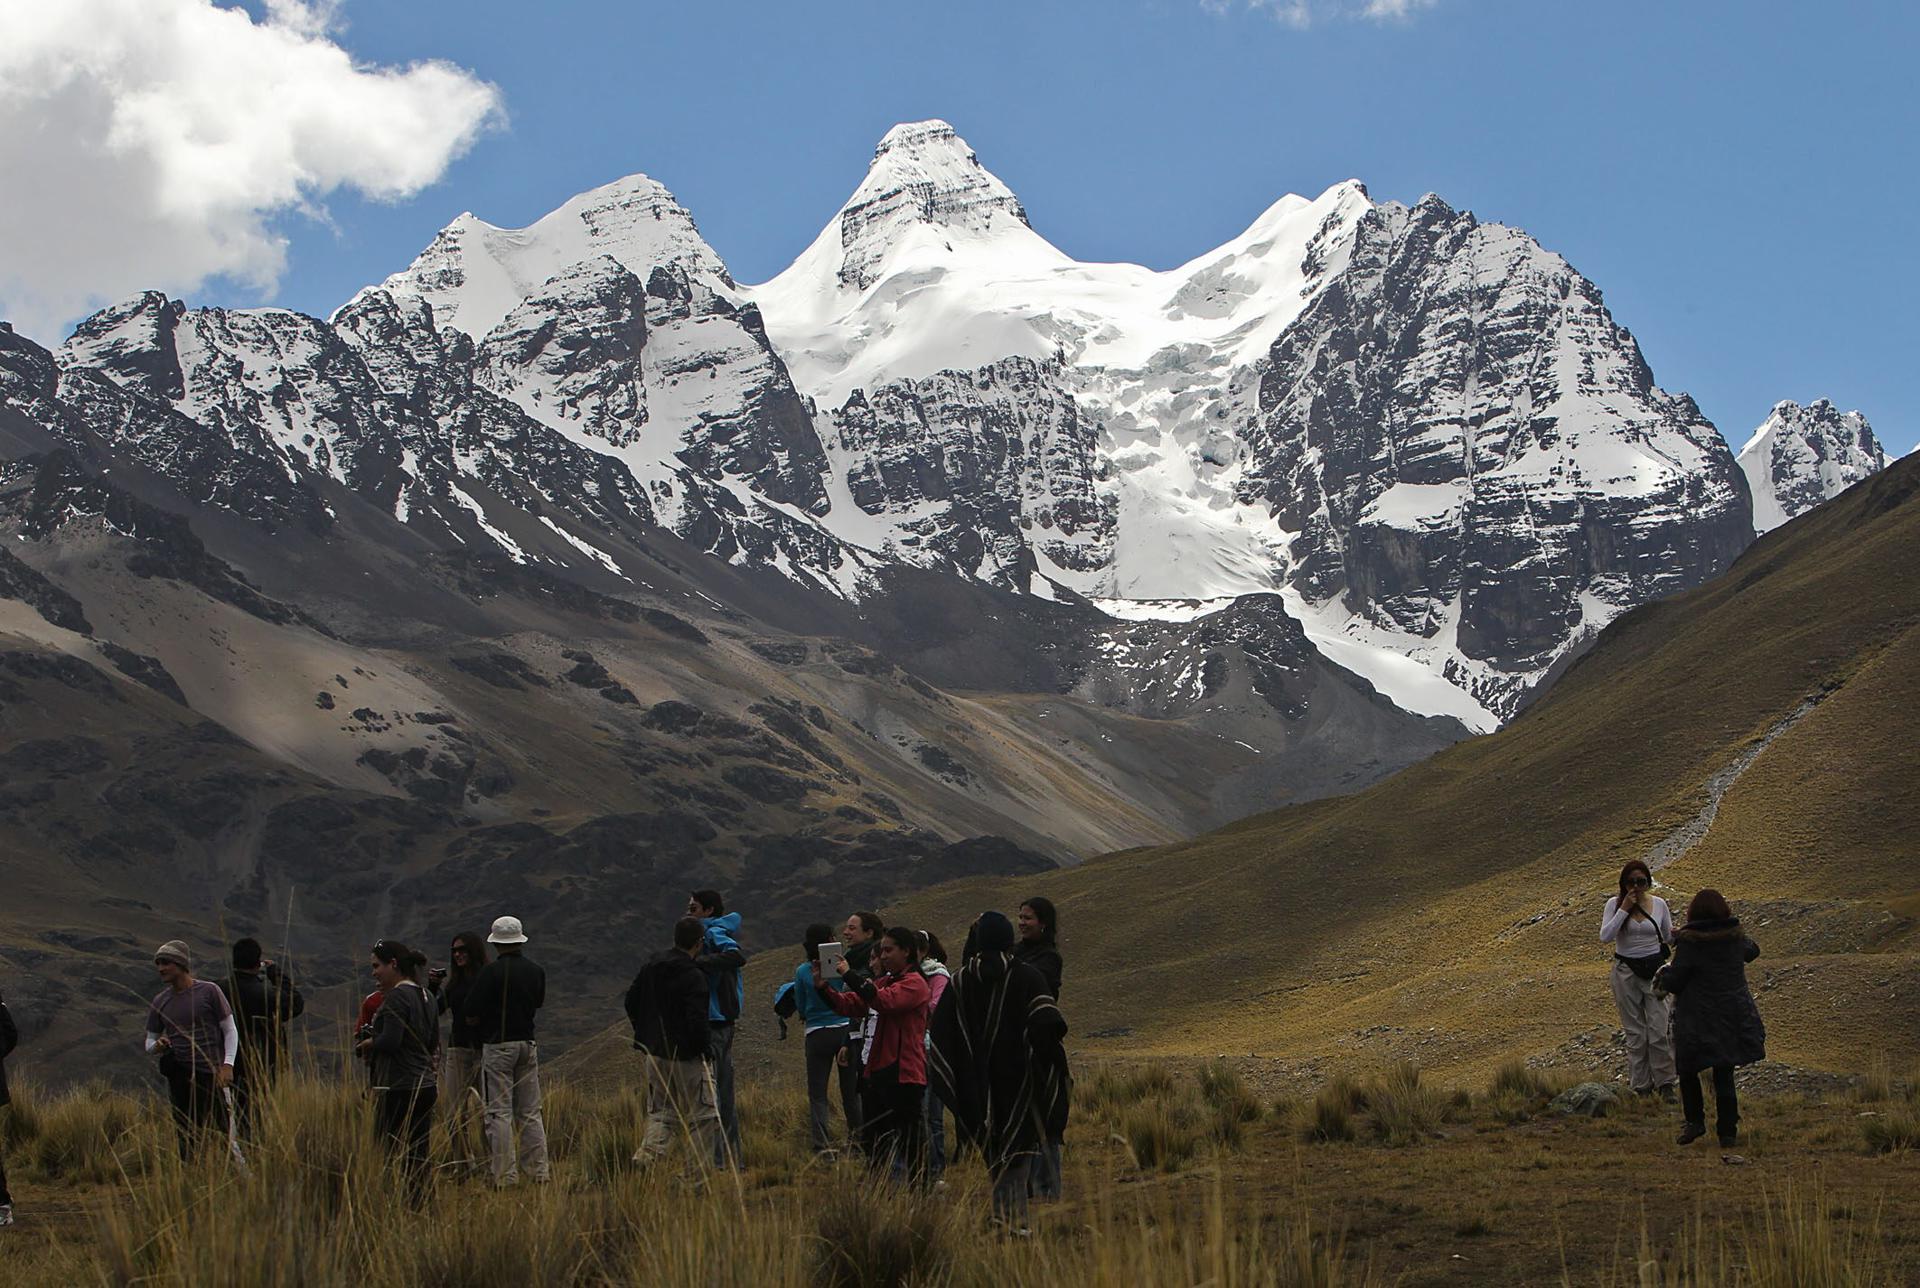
150,143
1307,13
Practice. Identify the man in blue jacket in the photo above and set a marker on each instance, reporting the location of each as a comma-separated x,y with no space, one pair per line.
721,958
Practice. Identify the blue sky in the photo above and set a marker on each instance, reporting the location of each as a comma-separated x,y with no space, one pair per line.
1738,178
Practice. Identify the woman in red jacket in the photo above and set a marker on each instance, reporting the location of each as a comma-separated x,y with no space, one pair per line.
893,1114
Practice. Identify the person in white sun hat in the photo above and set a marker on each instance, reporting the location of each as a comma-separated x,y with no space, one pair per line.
500,1008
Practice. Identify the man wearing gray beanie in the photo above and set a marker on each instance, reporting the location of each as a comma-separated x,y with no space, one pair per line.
190,1027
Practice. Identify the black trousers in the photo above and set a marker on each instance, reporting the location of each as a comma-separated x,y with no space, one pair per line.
893,1123
404,1118
1726,1101
6,1198
195,1102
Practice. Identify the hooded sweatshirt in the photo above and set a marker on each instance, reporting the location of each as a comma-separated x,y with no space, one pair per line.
721,959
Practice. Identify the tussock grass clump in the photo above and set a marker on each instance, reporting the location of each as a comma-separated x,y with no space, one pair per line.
1514,1078
1876,1084
1403,1108
869,1241
1231,1106
1332,1116
1161,1137
91,1133
1892,1131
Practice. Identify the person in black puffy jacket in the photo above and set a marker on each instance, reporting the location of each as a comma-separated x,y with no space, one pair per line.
1715,1022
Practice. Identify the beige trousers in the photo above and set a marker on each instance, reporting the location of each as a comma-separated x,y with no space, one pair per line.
460,1101
680,1105
510,1089
1645,1020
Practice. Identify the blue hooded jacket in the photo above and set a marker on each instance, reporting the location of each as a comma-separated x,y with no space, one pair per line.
721,958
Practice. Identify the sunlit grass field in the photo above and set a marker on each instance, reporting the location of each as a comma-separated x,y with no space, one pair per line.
1176,1175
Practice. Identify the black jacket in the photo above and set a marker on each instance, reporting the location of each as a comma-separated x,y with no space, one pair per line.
501,1007
667,1004
262,1002
452,995
9,1039
1043,957
1715,1021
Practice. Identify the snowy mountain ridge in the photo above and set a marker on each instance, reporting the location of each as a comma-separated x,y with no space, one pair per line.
1420,437
1801,456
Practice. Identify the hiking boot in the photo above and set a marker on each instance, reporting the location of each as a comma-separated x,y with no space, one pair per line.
6,1214
1669,1094
1729,1139
1690,1133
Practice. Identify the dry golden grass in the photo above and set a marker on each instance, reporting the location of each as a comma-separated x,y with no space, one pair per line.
1429,1189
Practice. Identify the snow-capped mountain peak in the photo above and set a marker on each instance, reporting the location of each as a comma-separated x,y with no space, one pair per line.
925,183
474,273
1801,456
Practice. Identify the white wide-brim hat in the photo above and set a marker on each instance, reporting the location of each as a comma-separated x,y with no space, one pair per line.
506,930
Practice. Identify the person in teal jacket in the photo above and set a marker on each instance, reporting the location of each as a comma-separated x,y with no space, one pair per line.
721,958
825,1040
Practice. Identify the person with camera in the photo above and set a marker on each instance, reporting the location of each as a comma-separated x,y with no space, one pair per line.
501,1007
721,958
460,1058
191,1029
262,999
667,1006
1716,1024
893,1115
403,1042
1640,928
9,1039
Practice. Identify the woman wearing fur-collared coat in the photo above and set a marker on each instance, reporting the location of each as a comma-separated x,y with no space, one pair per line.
1715,1022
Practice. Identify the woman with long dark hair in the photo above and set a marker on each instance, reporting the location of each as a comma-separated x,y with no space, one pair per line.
825,1040
892,1117
460,1072
1038,926
1637,923
1715,1022
995,1038
403,1043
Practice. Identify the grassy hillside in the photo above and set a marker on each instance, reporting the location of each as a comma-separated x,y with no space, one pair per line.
1450,912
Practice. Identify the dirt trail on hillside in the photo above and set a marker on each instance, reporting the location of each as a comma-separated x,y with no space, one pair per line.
1694,830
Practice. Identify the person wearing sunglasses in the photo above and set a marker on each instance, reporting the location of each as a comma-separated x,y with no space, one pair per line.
460,1065
1640,928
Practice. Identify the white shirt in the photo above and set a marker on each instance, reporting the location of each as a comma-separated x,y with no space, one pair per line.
1635,936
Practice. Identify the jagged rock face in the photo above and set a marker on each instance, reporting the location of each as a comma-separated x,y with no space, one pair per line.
1801,456
474,274
1465,442
922,173
1164,668
989,465
86,409
572,350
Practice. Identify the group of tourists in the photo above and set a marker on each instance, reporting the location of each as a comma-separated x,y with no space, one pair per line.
892,1033
1685,1008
